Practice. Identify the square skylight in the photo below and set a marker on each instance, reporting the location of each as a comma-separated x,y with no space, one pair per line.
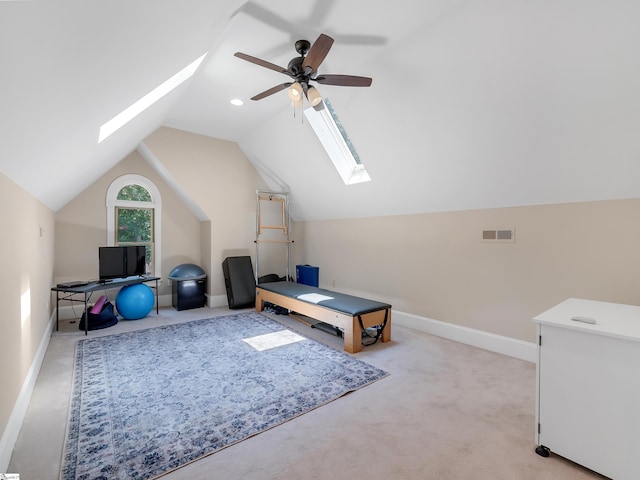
336,142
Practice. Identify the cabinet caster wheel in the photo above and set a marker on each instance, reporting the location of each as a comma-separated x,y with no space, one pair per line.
542,451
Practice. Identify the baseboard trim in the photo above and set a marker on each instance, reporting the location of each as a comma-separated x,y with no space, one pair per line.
218,300
11,432
469,336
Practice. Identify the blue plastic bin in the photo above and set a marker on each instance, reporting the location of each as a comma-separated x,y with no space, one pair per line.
307,274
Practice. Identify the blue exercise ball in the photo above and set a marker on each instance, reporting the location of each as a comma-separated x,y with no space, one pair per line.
135,301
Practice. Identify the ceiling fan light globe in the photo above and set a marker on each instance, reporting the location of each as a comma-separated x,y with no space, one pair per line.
295,91
313,96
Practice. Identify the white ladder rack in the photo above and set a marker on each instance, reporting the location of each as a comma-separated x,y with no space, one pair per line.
273,226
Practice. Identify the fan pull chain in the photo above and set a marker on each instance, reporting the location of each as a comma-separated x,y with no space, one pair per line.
294,112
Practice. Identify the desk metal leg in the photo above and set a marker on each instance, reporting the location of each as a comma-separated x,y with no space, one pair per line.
57,310
86,314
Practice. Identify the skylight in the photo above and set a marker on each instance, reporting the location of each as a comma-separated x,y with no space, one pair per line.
149,99
334,139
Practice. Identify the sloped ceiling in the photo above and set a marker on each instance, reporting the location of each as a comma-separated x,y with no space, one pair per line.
474,104
69,66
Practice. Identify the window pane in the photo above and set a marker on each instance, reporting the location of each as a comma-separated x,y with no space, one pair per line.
134,193
149,260
134,225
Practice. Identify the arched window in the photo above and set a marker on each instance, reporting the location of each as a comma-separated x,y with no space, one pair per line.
134,212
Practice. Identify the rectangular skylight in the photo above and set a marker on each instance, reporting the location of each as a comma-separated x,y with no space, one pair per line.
334,139
149,99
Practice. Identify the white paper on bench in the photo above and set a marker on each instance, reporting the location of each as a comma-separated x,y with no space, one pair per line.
313,297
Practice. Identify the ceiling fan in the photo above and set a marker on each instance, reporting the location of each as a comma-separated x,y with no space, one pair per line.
303,70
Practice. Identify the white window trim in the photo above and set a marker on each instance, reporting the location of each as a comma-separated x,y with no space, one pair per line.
155,203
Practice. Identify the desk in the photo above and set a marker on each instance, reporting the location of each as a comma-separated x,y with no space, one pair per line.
67,293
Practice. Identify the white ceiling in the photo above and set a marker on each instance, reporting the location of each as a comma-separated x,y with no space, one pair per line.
474,103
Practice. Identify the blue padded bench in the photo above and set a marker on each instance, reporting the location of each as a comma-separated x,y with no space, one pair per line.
350,314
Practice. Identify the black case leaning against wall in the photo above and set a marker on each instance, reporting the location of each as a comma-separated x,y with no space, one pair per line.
239,281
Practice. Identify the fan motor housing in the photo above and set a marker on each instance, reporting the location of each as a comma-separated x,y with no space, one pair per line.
295,65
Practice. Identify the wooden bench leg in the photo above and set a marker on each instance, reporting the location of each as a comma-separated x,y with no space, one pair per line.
259,303
386,333
353,337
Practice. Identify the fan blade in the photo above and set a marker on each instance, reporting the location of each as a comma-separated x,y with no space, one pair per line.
344,80
271,91
317,53
262,63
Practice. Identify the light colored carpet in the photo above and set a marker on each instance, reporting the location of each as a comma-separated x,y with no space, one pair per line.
447,411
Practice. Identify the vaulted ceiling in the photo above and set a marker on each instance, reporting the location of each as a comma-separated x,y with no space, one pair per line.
474,103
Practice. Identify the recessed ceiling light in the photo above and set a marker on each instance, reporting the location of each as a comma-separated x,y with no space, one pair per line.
237,102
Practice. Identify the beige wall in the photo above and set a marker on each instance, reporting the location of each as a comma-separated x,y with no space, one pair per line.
222,182
26,257
435,266
81,227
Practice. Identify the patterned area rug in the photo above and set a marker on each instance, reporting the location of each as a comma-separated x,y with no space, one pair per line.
147,402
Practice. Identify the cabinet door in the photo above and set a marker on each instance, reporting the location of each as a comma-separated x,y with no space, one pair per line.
589,400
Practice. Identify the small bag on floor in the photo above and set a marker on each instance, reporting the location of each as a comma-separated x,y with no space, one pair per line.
105,318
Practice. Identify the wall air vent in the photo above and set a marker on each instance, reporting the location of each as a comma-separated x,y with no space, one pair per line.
499,235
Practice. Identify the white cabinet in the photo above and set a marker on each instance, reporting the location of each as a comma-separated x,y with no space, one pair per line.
588,386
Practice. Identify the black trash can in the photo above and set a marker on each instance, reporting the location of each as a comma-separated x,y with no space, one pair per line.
188,286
